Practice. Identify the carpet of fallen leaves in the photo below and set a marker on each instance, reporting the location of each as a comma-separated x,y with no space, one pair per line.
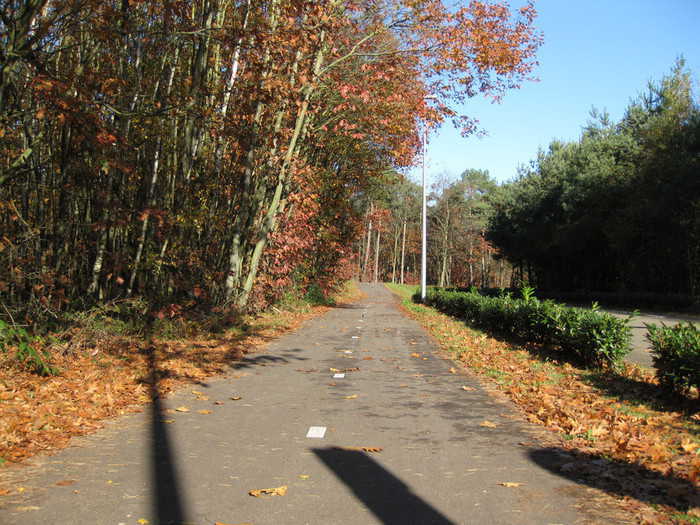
616,430
42,413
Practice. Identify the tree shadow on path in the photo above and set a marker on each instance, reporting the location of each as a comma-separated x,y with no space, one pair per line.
391,500
618,477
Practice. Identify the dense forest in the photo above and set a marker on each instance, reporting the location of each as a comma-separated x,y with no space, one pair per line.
614,215
458,252
619,209
221,152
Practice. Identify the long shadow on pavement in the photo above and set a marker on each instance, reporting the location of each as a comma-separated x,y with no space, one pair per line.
642,392
385,495
168,506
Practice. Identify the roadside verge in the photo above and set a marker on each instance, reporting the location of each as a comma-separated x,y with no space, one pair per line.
113,377
620,434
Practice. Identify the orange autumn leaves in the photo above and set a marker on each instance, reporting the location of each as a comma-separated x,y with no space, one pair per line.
43,413
580,407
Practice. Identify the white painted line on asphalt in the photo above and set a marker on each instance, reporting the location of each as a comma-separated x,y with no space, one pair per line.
316,432
355,336
338,376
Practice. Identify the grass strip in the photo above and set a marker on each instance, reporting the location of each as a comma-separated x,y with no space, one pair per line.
615,430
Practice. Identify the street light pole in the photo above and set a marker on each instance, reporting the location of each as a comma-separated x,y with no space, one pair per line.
424,246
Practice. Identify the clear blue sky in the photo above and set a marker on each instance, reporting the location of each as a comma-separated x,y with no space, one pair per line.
596,53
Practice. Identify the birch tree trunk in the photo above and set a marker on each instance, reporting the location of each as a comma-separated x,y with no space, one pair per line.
403,251
376,257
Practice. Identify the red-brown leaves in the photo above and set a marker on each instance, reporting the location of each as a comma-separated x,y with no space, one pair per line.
43,413
591,423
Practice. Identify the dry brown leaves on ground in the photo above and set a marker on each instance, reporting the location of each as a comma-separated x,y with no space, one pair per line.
613,432
43,413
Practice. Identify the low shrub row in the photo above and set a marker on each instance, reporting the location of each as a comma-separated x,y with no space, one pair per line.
676,354
624,300
591,337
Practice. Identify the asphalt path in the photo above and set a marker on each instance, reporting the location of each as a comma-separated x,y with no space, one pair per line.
447,446
641,352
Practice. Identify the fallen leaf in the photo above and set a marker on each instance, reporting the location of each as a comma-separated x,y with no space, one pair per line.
468,388
488,424
218,402
236,398
689,446
202,398
197,393
367,358
415,354
364,449
4,492
20,490
276,491
182,409
453,370
64,483
142,521
304,476
334,370
222,523
25,509
353,396
332,384
403,386
167,421
205,412
510,484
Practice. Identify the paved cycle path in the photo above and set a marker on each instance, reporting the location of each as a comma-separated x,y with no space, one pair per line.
641,351
442,461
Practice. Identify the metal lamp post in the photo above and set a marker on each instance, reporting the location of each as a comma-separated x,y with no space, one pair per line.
424,246
424,220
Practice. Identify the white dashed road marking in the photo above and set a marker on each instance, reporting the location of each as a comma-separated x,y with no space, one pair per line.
316,432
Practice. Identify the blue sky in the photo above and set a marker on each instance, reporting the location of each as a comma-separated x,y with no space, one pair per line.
596,53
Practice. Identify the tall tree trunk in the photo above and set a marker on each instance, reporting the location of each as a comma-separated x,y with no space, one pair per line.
395,256
376,257
365,266
403,251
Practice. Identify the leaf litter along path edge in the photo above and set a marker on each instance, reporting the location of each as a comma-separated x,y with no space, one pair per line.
410,448
654,454
39,415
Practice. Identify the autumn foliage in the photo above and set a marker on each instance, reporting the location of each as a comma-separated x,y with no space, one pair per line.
214,148
617,432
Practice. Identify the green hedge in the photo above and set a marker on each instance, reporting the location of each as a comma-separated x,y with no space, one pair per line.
676,354
592,337
625,300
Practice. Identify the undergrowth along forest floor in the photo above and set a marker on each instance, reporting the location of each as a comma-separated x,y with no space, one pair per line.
621,433
111,376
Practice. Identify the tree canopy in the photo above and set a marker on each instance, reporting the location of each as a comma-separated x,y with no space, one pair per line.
211,151
616,210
